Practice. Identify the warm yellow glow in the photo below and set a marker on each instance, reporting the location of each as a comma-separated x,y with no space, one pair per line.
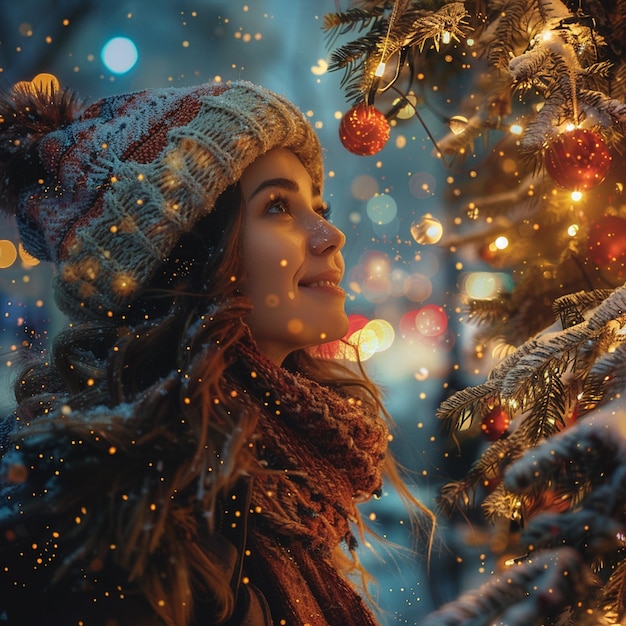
27,259
572,230
46,81
501,243
576,196
380,70
321,67
408,110
428,230
481,285
516,129
458,123
446,37
376,336
8,253
42,82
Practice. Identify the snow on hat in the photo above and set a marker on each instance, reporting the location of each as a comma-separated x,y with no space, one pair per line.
105,193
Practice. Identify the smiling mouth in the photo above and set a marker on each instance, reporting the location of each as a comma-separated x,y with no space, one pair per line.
321,283
324,286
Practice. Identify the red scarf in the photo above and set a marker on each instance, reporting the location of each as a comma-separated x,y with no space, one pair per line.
320,452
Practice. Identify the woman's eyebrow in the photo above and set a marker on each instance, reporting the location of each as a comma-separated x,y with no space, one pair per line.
287,184
284,183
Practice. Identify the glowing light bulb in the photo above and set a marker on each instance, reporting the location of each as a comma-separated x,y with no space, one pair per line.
576,196
516,129
446,36
428,230
380,70
501,243
572,230
458,123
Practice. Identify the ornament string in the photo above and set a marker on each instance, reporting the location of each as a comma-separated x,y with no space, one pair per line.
403,102
381,66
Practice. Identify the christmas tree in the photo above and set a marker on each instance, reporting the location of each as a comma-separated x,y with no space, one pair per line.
534,95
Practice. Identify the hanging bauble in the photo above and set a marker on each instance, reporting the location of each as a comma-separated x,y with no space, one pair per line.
578,159
606,242
495,423
364,130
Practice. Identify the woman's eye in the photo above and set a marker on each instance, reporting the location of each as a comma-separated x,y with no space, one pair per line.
325,211
277,207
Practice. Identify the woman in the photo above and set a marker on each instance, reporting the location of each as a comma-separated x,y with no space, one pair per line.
182,456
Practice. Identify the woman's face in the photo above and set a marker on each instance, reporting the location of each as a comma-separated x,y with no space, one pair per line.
292,256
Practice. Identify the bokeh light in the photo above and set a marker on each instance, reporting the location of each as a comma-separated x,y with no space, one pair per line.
410,104
486,285
376,336
367,336
427,230
501,243
364,187
422,185
431,320
363,339
481,285
382,209
119,55
43,82
417,287
8,253
376,276
27,259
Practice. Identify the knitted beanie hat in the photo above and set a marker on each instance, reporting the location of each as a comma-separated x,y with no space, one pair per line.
105,193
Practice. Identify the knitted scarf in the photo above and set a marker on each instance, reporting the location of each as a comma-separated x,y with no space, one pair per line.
321,452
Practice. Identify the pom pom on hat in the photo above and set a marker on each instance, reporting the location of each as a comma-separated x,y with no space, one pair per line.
26,116
112,189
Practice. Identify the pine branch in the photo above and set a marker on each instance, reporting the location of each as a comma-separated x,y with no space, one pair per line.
531,378
462,493
511,32
593,448
501,503
527,594
602,104
458,410
416,28
611,310
416,23
489,465
606,378
592,456
614,593
548,405
570,308
352,19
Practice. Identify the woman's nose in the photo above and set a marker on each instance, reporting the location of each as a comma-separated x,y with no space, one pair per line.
325,237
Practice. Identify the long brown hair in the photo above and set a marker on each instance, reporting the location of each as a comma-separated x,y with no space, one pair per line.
164,361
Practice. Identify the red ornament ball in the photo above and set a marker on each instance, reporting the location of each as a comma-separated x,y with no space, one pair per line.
495,423
578,159
364,130
606,242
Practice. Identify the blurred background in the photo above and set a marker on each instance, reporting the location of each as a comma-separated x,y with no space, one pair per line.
404,290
